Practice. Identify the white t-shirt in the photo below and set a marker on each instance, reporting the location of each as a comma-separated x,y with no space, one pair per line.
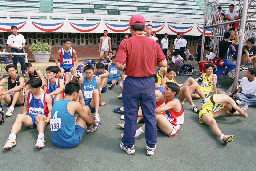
187,52
177,43
232,15
165,42
247,86
183,42
16,41
154,38
179,58
210,56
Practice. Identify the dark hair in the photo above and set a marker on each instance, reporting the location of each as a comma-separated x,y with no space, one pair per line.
252,71
35,82
9,66
207,48
72,87
156,78
174,87
175,53
1,47
113,49
219,7
13,27
110,52
232,29
226,35
208,65
54,69
170,69
28,65
105,30
87,67
100,65
66,40
252,40
149,25
138,27
231,5
178,33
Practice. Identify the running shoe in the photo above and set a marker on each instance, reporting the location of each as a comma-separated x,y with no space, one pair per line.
121,126
122,117
93,128
9,143
242,68
130,151
40,143
150,151
227,139
97,118
111,87
118,110
10,111
120,96
195,109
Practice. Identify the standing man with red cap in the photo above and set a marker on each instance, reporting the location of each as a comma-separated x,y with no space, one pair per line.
138,56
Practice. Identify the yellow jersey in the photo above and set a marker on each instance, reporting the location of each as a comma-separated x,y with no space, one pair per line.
206,85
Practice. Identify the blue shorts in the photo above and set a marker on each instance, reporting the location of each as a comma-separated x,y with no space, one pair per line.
104,89
33,117
74,140
111,79
67,67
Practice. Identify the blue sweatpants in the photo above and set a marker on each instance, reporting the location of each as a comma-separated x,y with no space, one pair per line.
139,90
228,65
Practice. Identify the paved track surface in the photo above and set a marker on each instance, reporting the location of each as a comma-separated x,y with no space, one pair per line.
193,148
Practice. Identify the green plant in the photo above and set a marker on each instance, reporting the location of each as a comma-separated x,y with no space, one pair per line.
40,47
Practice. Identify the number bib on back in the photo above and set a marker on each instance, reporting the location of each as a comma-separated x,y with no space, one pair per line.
55,123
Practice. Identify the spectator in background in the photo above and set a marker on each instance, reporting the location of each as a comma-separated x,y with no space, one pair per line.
183,45
126,36
198,48
249,53
165,44
154,37
217,15
208,60
246,93
211,45
177,43
188,55
3,57
228,65
232,15
17,42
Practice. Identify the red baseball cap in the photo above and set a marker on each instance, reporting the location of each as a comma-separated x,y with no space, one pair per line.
137,20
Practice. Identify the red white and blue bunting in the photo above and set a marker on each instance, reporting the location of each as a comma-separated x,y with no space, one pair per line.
73,26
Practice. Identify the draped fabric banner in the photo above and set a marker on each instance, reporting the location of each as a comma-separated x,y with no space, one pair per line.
83,26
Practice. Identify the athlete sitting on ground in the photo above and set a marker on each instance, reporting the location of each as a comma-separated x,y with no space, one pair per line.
52,85
217,105
209,81
14,95
90,87
114,74
66,131
36,114
33,73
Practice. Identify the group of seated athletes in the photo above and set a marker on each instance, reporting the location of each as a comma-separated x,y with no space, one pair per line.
55,99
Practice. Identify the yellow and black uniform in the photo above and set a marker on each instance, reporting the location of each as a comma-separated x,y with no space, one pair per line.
206,85
159,76
210,107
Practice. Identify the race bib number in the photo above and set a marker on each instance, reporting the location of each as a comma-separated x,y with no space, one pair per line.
113,72
55,123
88,94
67,61
204,84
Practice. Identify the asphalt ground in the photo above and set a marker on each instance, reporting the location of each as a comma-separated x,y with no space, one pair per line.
193,148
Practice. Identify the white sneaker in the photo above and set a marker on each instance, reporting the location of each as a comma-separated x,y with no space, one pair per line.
150,151
127,150
120,96
121,126
9,111
227,139
122,117
40,143
9,143
238,102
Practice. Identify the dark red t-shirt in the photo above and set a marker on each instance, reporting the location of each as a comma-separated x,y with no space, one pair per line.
141,55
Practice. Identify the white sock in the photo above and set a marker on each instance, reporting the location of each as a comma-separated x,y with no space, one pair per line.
139,132
122,108
222,136
193,105
41,135
11,108
12,136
